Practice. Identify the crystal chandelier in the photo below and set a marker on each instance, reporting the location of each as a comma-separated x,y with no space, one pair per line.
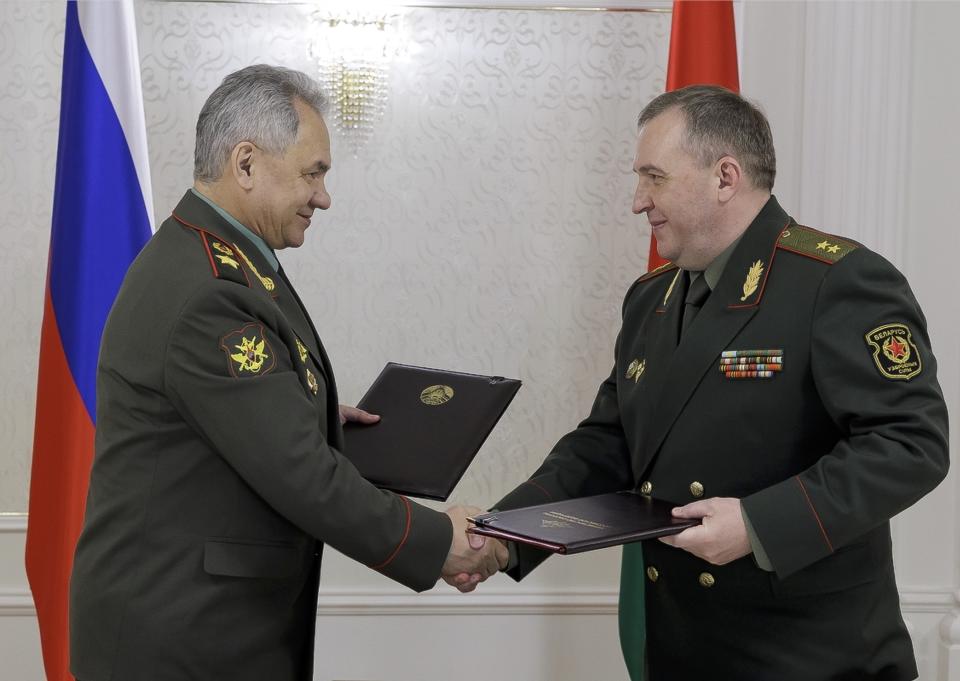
354,49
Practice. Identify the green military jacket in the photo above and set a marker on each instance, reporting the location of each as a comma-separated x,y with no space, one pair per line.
841,428
217,476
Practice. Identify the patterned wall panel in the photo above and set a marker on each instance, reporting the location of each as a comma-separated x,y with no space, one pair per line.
31,52
485,227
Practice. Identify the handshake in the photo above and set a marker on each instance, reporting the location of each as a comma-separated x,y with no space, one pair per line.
472,558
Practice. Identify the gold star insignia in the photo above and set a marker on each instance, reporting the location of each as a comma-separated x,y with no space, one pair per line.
823,245
834,249
227,260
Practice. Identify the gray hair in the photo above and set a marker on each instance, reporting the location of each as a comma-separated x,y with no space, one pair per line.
721,123
255,104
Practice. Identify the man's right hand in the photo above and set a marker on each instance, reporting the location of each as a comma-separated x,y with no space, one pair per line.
471,554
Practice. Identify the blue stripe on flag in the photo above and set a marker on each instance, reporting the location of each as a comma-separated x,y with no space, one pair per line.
99,218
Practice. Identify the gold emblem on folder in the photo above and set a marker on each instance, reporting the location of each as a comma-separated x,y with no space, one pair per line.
436,395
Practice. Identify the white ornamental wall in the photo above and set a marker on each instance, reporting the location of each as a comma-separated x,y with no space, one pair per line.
834,78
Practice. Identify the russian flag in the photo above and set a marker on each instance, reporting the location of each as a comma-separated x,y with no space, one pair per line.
102,217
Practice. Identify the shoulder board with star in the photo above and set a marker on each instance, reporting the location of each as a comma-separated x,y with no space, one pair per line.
656,272
223,258
815,244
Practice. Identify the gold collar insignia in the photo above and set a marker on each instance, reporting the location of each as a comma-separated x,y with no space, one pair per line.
752,280
266,281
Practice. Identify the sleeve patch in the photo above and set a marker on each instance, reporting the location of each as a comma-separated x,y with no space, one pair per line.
248,352
894,351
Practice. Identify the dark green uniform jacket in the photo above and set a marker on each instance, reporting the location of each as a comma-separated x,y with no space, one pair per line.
216,475
848,431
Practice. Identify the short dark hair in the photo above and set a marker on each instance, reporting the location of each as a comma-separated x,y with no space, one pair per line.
719,122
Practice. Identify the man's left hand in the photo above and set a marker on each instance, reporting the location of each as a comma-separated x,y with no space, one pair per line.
355,415
721,538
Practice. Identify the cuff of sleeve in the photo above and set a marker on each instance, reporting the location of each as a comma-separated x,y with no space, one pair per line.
759,555
422,549
530,493
514,560
787,523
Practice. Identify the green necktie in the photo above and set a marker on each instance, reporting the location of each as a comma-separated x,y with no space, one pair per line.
697,293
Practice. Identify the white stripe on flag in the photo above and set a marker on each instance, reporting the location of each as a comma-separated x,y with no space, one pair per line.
110,32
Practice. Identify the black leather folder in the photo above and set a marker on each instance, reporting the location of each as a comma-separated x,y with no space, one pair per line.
432,424
584,524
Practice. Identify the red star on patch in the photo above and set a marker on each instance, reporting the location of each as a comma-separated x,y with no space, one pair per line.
897,348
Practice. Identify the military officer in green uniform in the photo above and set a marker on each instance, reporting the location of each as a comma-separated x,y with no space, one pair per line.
217,477
775,381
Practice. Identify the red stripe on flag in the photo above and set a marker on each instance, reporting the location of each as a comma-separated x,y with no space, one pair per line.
62,456
703,45
703,51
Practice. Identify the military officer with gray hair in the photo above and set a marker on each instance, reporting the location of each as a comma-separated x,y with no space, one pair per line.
217,477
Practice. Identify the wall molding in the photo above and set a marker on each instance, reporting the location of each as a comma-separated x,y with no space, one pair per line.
385,603
523,602
18,602
13,523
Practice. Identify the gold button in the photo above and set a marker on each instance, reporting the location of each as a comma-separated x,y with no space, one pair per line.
646,487
653,574
696,489
707,580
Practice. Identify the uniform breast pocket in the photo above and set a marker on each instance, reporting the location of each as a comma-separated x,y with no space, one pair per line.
258,559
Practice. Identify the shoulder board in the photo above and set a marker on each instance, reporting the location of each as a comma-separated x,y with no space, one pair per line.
223,258
654,273
815,244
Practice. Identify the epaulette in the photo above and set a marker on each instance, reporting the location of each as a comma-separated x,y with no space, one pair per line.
656,272
815,244
223,258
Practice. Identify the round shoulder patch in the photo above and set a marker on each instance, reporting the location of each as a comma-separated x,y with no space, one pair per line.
894,351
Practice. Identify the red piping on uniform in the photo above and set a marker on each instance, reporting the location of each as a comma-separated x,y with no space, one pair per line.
206,247
203,236
815,515
541,488
403,540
